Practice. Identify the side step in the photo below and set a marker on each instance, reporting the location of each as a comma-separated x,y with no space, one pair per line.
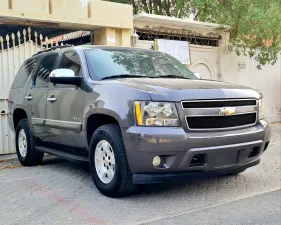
61,154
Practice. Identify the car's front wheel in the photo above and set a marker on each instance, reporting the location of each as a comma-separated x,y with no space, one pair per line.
25,145
108,162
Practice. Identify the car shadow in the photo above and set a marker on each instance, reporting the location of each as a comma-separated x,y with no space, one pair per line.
156,190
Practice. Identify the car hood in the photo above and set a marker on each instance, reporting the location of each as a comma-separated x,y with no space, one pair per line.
162,89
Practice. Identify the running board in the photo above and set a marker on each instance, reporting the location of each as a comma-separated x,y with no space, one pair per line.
61,154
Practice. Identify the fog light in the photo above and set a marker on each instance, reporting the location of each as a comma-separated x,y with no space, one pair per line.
156,161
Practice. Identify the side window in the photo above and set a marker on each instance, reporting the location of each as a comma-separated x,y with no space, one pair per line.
70,60
24,72
45,68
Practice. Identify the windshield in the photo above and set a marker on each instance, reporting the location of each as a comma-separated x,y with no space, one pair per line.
104,63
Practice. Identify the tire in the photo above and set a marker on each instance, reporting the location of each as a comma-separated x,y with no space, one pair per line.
120,183
26,152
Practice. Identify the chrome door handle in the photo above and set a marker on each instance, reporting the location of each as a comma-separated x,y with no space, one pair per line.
29,97
52,99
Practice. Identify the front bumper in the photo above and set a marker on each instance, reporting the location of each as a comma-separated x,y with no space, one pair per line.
181,177
222,150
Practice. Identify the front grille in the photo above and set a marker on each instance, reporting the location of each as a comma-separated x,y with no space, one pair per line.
218,103
217,122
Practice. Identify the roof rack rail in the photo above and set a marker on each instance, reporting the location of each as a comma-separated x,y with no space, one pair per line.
52,49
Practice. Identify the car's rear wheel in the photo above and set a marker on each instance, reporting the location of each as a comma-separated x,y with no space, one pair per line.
25,144
108,162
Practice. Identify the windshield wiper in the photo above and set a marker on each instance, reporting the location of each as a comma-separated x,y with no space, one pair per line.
138,76
172,76
123,76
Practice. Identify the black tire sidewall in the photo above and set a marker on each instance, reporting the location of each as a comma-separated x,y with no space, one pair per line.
114,185
24,125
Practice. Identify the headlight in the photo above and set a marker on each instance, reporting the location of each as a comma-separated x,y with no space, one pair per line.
261,109
156,114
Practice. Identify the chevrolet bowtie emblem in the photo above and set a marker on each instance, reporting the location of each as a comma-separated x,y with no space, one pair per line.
227,111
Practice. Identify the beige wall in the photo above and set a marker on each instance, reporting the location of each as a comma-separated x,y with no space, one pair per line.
112,22
113,37
267,80
69,13
204,59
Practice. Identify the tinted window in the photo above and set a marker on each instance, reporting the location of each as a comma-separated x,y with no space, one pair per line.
70,60
45,68
24,72
110,62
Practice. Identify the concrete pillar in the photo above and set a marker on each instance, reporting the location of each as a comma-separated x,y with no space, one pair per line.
112,37
126,37
224,57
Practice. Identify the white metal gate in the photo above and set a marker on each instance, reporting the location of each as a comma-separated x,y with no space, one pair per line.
14,50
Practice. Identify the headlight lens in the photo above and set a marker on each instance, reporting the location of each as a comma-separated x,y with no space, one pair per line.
261,109
156,114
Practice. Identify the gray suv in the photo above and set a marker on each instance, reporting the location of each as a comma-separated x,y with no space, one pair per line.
136,116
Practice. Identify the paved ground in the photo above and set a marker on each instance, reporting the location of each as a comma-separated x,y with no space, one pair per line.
259,209
60,192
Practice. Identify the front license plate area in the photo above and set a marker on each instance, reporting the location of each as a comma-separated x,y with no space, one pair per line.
225,158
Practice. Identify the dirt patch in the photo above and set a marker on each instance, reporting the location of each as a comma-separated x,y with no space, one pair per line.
10,167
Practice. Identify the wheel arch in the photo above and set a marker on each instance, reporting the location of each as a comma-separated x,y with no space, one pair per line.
18,115
97,118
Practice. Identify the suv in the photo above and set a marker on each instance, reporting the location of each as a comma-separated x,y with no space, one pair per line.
136,116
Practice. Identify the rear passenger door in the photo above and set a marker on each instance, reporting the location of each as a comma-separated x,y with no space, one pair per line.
37,92
65,106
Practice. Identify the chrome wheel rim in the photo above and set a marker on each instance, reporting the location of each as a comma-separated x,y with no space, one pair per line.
104,162
22,143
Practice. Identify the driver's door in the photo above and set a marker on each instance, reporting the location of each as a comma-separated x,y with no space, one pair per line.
65,106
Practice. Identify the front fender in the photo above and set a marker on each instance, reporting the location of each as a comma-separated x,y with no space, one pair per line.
107,112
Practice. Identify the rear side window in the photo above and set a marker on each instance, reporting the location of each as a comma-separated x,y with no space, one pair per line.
24,72
45,68
70,60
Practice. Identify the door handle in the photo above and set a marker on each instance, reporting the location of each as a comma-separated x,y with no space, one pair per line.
52,99
28,97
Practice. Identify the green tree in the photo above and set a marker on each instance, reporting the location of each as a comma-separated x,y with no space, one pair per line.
255,25
176,8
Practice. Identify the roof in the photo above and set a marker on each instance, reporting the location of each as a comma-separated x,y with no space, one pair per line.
109,47
65,48
178,22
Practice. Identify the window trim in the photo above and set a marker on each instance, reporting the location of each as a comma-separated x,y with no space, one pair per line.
30,75
32,81
65,86
61,55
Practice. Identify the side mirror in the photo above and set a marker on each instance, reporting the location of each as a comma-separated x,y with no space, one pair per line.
64,76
